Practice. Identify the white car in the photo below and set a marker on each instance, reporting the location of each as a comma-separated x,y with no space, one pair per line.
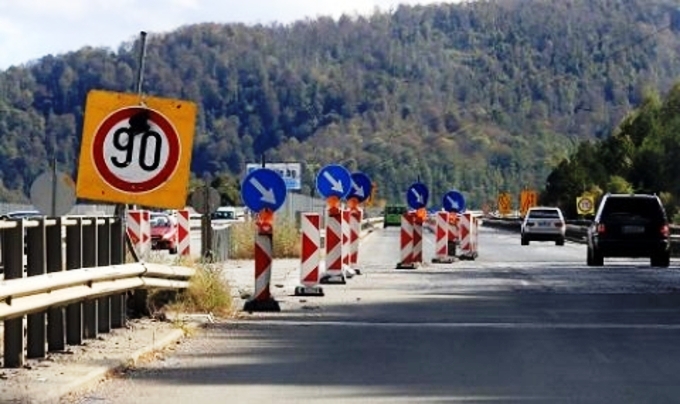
543,223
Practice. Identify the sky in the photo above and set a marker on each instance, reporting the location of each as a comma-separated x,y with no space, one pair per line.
31,29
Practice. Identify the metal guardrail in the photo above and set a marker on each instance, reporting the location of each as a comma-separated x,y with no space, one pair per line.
65,281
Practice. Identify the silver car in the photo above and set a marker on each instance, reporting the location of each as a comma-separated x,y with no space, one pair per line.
543,223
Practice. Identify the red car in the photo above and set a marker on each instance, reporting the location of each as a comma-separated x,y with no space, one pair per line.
163,233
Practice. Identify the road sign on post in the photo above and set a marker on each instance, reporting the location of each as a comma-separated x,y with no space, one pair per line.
361,187
263,189
417,196
528,199
136,150
504,203
454,202
334,181
585,204
53,193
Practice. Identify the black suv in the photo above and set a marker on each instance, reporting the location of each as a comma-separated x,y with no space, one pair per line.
629,225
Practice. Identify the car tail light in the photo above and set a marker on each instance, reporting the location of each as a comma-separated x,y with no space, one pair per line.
558,224
530,224
600,228
665,230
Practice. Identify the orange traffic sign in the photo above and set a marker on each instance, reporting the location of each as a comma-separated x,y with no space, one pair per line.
136,150
504,203
528,199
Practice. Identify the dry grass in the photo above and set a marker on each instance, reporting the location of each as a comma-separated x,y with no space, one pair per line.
286,240
208,292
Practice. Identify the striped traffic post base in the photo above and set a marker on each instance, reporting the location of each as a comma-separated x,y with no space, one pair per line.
138,230
467,235
417,241
346,231
406,242
453,234
334,271
183,233
311,256
355,232
262,299
442,239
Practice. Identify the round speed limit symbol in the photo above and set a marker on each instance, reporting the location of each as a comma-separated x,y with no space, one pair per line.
585,205
136,150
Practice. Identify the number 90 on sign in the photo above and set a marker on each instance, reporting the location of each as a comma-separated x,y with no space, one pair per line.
136,149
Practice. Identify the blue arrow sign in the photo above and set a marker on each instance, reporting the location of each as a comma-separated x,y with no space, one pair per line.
361,187
334,180
417,195
454,201
263,188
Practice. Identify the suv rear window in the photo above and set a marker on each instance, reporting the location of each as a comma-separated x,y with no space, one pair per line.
645,207
544,214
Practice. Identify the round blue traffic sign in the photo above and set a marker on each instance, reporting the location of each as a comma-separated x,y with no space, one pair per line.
361,187
417,195
263,189
454,201
334,180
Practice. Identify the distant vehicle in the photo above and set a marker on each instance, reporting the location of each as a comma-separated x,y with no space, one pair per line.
163,232
393,214
629,225
543,224
227,213
22,214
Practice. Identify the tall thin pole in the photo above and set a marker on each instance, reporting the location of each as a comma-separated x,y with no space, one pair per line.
141,62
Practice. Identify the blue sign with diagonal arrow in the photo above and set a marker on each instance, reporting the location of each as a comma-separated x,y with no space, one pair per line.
454,201
361,187
334,180
263,189
417,195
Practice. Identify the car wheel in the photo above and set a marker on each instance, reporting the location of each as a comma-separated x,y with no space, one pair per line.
598,259
559,241
661,260
173,250
589,257
525,241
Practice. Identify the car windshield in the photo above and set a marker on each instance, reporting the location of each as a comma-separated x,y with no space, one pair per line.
544,214
160,221
224,214
392,210
645,207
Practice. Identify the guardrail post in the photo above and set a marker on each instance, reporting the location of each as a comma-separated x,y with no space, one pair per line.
74,260
13,260
55,263
117,257
36,259
104,260
89,243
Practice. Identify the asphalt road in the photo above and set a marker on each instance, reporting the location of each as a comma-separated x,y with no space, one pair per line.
519,324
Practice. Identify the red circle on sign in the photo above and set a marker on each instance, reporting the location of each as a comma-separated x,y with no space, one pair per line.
166,172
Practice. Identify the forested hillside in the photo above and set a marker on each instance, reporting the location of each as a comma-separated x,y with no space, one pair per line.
480,96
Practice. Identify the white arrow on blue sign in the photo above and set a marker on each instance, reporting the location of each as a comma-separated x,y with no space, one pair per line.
417,195
454,201
334,180
361,187
263,189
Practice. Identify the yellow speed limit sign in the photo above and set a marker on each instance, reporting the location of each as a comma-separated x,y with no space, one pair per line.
585,205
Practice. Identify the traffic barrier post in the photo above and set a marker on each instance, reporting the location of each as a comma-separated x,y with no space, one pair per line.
334,273
442,239
262,300
183,233
355,231
310,224
406,242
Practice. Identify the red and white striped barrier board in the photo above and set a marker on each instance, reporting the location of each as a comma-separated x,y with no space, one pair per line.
311,256
406,242
355,231
262,299
138,229
454,235
417,256
442,238
183,233
346,217
334,271
468,235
